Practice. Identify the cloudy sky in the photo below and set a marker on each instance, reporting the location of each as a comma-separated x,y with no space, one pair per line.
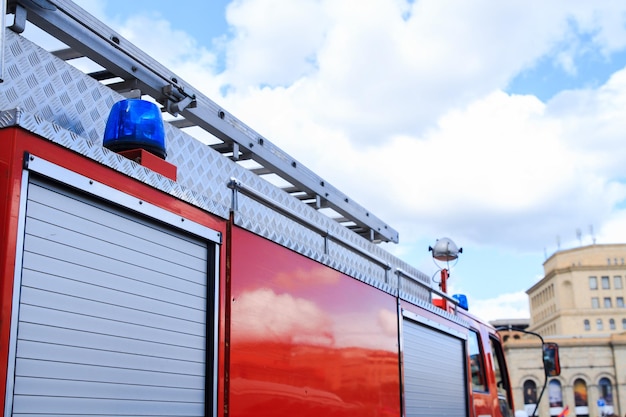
498,124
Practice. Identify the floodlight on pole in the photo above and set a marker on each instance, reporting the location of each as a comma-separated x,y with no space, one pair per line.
445,250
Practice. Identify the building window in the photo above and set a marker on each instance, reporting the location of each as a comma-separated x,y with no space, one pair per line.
606,284
619,302
595,302
607,302
530,396
599,324
593,283
555,395
617,282
580,397
624,324
612,324
587,325
606,390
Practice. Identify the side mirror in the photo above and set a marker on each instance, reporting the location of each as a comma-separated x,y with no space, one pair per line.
551,362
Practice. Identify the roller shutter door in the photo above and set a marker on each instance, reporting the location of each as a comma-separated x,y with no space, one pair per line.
112,312
434,372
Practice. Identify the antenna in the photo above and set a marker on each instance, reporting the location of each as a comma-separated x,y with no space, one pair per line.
579,236
593,238
558,242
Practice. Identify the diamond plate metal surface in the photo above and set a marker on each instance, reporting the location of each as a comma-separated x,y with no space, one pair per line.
51,98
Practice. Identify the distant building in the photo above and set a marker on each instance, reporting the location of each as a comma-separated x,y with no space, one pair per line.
579,304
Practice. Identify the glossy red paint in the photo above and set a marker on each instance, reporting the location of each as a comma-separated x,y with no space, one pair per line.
307,340
487,402
15,142
480,402
10,178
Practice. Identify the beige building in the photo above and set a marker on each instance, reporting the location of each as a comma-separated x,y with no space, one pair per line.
579,304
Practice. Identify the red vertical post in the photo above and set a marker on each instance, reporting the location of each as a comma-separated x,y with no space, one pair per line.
444,278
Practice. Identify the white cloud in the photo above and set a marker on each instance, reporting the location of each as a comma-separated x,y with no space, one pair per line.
401,105
505,306
277,53
613,228
386,67
414,106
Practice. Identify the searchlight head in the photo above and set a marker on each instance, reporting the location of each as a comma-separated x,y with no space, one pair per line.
445,250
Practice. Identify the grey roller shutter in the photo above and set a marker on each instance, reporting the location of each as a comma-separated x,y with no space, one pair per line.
112,313
434,372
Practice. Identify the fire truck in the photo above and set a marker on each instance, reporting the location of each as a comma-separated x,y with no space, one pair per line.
161,273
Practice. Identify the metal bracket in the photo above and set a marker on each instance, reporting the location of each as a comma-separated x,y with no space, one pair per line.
19,22
174,104
234,185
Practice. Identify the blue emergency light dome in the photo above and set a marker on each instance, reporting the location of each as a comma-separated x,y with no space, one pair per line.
135,124
462,300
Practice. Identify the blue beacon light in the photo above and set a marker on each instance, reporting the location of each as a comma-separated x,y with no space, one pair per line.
462,300
135,124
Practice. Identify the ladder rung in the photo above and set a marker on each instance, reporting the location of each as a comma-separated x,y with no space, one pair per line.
67,54
262,171
181,123
102,75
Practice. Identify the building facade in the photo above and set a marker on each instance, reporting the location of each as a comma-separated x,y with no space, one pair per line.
579,304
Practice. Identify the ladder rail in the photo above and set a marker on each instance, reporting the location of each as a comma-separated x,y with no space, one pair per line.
90,37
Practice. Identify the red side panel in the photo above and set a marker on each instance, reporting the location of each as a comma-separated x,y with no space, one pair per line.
307,340
14,142
486,402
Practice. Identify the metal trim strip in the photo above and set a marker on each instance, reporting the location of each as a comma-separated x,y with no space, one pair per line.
102,191
238,186
434,324
15,303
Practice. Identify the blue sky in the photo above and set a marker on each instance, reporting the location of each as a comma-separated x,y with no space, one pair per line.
497,124
547,78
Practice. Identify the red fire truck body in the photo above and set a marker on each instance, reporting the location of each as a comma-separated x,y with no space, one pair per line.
129,291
